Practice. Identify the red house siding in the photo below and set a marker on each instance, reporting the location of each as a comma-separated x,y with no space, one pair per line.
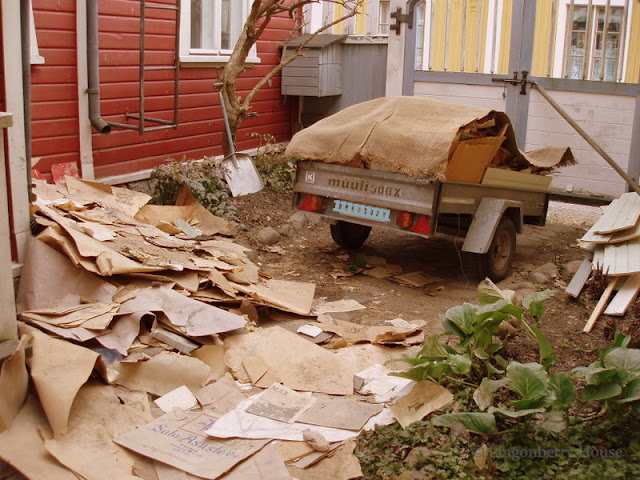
54,91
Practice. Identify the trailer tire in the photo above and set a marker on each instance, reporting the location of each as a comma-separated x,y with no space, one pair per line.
496,263
349,235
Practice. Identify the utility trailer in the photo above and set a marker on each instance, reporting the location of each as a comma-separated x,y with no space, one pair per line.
356,199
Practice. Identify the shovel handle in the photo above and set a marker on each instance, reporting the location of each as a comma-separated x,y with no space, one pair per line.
226,123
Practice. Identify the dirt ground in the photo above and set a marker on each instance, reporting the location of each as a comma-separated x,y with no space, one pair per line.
307,253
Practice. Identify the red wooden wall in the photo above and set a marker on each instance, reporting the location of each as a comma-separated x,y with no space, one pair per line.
54,90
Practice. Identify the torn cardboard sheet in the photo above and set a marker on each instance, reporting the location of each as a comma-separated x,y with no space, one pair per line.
354,333
128,201
274,355
321,306
238,423
87,449
58,370
337,412
280,403
375,380
221,396
22,446
296,297
364,355
342,465
181,398
206,222
124,331
264,465
383,271
78,334
163,373
213,356
92,316
192,317
183,444
416,279
426,397
48,276
14,384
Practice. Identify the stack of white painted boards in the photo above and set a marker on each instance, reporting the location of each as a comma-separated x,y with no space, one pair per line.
614,241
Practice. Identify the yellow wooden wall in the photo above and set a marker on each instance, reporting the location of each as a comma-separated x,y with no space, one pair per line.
633,62
452,37
542,40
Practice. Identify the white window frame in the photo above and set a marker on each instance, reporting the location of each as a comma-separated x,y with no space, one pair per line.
201,56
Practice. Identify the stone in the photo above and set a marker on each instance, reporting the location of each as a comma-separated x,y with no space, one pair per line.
538,278
548,269
268,236
572,267
298,220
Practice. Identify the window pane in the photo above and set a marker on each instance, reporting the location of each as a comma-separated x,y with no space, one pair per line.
196,23
579,18
383,21
232,23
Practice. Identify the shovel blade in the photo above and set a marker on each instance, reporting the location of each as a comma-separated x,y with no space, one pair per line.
241,174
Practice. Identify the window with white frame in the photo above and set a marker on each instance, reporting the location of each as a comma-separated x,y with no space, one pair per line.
384,17
209,30
593,50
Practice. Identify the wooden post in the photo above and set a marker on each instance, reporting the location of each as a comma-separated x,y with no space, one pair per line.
8,324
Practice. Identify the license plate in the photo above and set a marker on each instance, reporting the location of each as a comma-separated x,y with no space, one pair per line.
362,211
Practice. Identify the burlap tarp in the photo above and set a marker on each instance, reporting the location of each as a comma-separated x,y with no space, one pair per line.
411,135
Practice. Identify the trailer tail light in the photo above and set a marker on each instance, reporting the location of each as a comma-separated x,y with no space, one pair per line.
312,203
404,219
422,225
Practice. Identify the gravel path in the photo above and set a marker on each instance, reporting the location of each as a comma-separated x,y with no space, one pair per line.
573,213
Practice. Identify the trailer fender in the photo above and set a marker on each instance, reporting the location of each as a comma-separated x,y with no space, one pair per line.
485,222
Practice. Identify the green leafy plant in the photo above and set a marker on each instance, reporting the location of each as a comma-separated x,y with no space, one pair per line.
203,178
277,172
473,354
614,378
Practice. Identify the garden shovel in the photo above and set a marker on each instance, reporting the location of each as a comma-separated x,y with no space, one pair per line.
240,173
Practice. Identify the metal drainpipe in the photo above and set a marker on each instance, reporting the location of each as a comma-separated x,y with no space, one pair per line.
25,38
93,69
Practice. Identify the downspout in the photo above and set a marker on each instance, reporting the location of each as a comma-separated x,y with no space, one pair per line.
25,40
93,69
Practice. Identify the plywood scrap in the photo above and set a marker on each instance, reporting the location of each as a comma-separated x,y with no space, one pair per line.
579,278
622,258
163,373
425,397
625,296
623,213
58,370
14,383
188,448
600,306
276,355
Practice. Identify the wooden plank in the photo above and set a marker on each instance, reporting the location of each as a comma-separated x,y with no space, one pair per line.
622,258
598,257
625,297
600,305
579,279
623,213
508,178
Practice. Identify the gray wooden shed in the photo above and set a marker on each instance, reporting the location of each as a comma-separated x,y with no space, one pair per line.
319,72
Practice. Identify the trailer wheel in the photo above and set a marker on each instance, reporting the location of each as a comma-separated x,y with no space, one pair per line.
496,263
349,235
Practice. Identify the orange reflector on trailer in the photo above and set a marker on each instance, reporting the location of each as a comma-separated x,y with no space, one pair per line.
422,225
403,219
312,203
